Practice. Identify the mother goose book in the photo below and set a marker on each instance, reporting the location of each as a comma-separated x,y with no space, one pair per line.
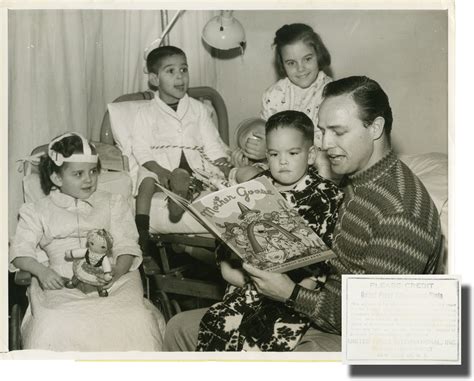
256,223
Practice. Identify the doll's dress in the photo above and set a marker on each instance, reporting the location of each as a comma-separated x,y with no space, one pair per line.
88,268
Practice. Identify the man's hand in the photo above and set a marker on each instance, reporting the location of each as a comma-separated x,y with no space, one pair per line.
273,285
255,147
50,279
235,277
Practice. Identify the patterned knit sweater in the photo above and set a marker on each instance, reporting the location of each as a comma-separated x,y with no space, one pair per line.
387,224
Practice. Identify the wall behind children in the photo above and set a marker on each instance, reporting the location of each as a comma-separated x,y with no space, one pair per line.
405,51
64,66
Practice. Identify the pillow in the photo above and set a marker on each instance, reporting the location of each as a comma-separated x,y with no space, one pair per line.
211,110
122,118
432,170
113,182
111,157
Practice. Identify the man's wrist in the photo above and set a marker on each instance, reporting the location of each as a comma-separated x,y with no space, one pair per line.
290,302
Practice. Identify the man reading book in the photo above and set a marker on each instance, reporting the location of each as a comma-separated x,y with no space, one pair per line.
245,319
388,223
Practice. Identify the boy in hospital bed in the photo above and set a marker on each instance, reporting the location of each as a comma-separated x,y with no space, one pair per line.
173,136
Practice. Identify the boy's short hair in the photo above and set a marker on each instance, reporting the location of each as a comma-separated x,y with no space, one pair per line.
154,58
292,119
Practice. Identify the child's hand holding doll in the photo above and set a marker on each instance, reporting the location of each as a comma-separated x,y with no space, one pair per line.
50,279
238,158
124,262
251,143
255,146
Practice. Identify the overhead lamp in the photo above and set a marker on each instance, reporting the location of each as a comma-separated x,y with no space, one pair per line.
224,32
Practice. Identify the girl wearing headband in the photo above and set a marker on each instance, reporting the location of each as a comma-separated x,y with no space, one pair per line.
67,154
69,319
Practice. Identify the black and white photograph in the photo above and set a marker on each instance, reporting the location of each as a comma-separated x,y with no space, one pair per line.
347,113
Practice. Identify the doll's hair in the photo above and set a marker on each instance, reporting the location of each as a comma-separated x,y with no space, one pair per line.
246,127
104,234
70,144
292,119
291,33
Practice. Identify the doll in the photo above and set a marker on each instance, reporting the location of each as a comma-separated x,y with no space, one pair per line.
91,262
250,130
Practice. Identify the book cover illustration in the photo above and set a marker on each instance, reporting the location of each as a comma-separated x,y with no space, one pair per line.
255,221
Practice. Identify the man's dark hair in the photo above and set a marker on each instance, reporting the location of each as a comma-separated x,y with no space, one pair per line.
154,58
292,119
369,97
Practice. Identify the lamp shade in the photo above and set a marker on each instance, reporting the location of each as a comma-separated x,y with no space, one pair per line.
224,32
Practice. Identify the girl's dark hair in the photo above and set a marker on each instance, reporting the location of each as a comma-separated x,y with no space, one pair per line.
292,119
289,34
66,146
369,97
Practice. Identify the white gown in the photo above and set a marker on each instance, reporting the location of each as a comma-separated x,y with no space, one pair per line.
68,319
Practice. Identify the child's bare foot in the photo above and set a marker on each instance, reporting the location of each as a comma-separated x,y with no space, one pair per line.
180,181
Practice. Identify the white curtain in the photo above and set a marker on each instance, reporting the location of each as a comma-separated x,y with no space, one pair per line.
202,67
66,65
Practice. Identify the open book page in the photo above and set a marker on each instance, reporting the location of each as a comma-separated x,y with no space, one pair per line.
211,180
255,221
176,198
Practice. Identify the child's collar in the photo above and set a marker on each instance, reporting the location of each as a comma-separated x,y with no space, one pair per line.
65,201
297,185
182,106
157,97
